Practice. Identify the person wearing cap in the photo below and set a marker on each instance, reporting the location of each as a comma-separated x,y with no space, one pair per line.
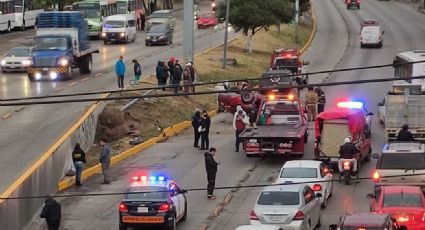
239,124
120,71
405,134
205,130
211,168
137,70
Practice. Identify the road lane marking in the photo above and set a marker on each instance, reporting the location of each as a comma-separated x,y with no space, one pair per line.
19,109
6,116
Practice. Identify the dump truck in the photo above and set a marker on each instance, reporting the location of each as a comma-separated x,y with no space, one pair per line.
61,44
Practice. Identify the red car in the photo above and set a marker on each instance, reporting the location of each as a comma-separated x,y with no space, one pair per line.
207,20
405,203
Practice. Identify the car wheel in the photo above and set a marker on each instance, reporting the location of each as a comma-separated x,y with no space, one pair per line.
332,190
123,227
369,155
173,225
184,217
23,26
9,27
325,202
306,137
361,45
319,222
146,44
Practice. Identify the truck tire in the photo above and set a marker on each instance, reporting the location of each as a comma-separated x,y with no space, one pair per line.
69,74
31,77
247,97
86,64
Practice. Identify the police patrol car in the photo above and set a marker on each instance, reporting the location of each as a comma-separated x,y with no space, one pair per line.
152,200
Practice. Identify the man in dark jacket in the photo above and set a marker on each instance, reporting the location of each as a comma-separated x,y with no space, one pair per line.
211,167
205,130
405,134
79,159
177,77
321,102
196,122
171,64
137,70
159,72
52,213
348,150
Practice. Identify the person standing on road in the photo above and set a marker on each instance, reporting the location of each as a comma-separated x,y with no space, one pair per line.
321,99
239,124
177,77
192,75
120,71
311,102
166,74
79,159
171,63
205,130
137,70
186,79
159,73
196,122
105,160
142,20
52,213
211,167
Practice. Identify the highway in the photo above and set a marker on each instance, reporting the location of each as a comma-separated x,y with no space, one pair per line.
32,129
336,44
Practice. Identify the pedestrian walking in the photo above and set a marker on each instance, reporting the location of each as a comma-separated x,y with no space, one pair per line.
211,167
205,130
137,70
120,71
79,159
166,74
321,101
186,79
142,20
240,122
311,103
52,213
178,70
105,160
196,122
171,63
159,73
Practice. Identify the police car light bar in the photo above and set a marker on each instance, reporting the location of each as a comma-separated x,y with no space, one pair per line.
350,104
151,178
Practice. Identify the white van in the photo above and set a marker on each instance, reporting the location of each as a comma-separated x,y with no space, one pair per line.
119,28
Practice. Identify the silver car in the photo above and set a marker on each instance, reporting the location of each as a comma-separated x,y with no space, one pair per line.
18,59
371,36
161,17
292,207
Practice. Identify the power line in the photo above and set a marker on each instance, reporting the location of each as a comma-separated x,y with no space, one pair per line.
209,83
208,92
203,189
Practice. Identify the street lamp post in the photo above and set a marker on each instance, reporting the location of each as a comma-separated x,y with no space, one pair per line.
188,31
226,33
297,18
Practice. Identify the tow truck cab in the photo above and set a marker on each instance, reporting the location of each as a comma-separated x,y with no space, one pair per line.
281,127
290,59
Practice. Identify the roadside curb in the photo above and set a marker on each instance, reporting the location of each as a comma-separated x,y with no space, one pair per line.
313,32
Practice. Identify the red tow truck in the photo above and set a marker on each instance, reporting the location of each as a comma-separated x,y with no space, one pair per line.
282,126
290,59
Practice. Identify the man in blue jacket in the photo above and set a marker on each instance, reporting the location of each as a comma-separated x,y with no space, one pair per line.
120,71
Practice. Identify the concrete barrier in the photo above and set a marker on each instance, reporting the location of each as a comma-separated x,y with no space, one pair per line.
42,176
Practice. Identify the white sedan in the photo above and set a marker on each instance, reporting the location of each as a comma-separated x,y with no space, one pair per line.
308,170
291,206
18,59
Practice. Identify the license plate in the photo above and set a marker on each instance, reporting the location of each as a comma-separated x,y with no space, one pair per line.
142,209
275,218
45,69
113,39
143,219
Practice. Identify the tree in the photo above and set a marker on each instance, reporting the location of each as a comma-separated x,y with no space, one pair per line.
250,16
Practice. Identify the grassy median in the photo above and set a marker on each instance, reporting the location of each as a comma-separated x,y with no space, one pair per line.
149,115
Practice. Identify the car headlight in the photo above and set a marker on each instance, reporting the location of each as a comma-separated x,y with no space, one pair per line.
26,62
63,62
3,62
161,37
122,35
103,34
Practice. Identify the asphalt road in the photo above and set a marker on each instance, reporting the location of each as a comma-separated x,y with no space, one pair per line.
32,129
336,45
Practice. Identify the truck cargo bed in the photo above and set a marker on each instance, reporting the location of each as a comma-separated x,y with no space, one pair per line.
276,131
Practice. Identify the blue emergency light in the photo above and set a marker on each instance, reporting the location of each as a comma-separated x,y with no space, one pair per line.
151,178
350,104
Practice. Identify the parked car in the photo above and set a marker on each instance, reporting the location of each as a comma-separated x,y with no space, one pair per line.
207,19
367,220
161,17
159,35
299,171
288,206
17,59
405,203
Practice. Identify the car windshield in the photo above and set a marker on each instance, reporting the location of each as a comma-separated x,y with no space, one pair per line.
122,7
279,198
159,15
50,43
402,200
370,30
114,24
299,173
282,108
147,193
286,61
19,52
91,10
402,161
157,29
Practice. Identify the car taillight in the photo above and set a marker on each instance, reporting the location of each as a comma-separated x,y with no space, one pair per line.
123,208
253,215
346,165
164,208
376,177
423,217
299,216
317,187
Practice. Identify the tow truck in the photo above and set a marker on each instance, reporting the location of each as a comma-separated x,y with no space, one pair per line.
290,59
285,130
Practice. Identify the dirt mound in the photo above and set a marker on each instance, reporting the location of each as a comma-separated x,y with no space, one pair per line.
112,125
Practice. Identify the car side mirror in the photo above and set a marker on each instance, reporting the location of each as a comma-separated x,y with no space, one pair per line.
333,227
402,227
183,191
306,63
375,155
381,104
370,114
370,196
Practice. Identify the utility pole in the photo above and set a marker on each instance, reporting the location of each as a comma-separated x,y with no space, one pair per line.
188,31
297,18
226,33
